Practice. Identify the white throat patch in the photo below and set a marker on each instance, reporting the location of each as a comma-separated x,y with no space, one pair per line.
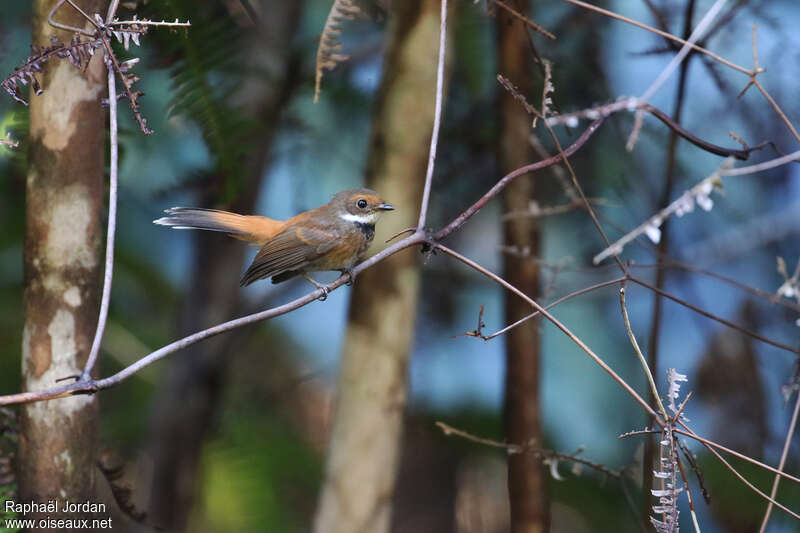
360,219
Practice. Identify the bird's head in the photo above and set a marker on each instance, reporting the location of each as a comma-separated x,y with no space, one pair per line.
362,206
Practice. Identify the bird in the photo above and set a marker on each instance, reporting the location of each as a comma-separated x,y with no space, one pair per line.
334,236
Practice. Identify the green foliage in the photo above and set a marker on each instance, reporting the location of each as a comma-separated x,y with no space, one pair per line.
207,70
7,492
248,488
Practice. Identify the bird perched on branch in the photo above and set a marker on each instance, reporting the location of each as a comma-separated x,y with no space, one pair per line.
334,236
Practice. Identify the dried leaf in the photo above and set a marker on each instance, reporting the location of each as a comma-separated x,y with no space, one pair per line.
328,55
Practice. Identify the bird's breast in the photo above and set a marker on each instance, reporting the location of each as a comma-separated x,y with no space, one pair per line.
353,244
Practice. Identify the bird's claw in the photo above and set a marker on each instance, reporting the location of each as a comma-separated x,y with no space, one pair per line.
324,295
350,277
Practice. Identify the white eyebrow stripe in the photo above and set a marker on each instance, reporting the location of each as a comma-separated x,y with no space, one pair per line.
361,219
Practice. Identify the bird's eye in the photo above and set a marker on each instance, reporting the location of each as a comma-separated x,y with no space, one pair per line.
361,203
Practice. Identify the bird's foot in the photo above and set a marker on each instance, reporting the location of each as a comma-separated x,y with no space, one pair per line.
350,277
324,288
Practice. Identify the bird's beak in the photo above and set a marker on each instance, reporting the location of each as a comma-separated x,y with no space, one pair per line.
385,207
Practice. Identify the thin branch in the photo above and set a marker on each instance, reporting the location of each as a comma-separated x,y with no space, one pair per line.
548,87
91,386
597,359
688,494
437,118
633,105
555,303
681,55
583,198
658,32
772,102
525,20
767,295
715,317
639,353
699,194
508,178
784,454
741,477
108,274
760,167
713,445
66,27
690,458
526,448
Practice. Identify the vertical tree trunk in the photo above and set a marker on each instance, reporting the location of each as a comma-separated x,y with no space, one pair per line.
364,448
526,482
64,227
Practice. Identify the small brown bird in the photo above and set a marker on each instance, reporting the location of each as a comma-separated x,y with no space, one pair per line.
334,236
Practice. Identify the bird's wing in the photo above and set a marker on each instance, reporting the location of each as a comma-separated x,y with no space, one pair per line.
292,249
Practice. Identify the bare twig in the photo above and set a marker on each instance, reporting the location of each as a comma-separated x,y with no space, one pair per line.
525,20
66,27
633,105
710,447
555,303
773,298
714,445
574,338
699,194
715,317
526,448
664,34
108,274
671,66
688,496
760,167
639,353
754,81
687,46
91,386
500,185
784,454
437,118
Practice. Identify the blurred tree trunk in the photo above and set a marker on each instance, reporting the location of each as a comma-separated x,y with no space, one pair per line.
64,227
364,447
526,482
188,403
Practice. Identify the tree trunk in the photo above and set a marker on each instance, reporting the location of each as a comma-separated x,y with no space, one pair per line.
189,400
364,448
64,228
526,481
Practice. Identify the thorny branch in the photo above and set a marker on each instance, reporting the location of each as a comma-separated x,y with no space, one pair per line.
79,52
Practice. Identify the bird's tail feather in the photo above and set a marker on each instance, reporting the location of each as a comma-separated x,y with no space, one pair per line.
256,229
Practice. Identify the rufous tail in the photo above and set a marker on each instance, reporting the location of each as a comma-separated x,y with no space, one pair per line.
255,229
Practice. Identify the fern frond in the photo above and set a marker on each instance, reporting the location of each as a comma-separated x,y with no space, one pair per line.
328,52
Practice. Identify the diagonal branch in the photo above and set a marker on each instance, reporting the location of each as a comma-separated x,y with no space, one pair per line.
500,185
90,386
664,34
574,338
